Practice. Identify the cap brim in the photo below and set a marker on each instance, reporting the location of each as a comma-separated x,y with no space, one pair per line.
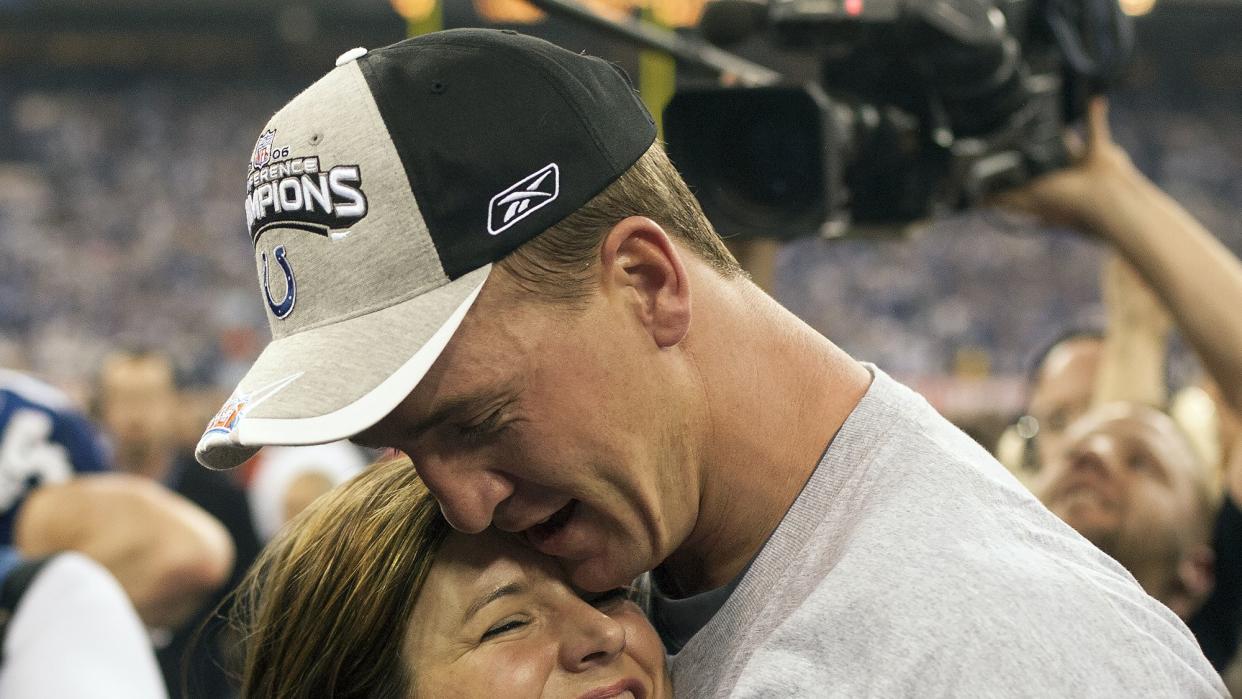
334,381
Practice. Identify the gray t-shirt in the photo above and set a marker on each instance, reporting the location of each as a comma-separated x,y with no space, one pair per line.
914,565
677,619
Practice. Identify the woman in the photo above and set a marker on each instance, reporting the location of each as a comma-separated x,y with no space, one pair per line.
369,593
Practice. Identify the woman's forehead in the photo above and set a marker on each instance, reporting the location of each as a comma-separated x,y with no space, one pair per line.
490,558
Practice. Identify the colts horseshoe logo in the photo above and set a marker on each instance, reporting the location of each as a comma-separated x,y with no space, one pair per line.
281,309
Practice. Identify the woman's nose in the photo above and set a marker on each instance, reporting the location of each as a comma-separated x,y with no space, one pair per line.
591,638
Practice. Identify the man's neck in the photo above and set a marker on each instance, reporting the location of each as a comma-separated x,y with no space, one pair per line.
775,400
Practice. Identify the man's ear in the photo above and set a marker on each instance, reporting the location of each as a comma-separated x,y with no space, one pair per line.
639,258
1196,577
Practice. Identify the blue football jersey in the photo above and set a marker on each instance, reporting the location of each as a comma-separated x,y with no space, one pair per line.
9,559
43,439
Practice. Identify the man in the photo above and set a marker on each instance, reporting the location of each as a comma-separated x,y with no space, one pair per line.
1131,483
1060,388
43,440
284,480
511,284
57,494
1189,279
1122,361
136,401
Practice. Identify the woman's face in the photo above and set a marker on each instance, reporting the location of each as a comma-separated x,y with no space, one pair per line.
497,619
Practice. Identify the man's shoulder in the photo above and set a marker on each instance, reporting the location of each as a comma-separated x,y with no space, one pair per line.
43,439
32,391
980,629
908,440
929,569
943,535
953,608
33,411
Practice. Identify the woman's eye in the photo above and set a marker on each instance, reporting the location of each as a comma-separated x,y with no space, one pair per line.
502,628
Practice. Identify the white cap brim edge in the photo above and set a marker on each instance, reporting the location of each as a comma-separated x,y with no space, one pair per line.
223,451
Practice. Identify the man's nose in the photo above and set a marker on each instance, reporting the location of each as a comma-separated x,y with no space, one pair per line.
468,494
1099,454
591,638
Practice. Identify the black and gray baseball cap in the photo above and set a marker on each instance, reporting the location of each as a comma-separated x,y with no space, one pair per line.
377,201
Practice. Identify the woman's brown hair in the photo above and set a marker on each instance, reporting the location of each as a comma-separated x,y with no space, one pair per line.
323,611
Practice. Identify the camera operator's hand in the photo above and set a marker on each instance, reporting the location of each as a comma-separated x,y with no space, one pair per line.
1197,278
1101,178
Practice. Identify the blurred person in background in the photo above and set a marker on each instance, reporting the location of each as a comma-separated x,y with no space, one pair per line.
136,402
1126,476
282,481
59,495
1120,358
1226,427
1060,389
67,629
1130,482
43,440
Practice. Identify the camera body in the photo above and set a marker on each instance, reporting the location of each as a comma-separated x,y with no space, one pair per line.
923,106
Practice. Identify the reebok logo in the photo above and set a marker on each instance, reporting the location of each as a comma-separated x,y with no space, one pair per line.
540,188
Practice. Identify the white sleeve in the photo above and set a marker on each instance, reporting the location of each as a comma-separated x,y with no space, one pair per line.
75,634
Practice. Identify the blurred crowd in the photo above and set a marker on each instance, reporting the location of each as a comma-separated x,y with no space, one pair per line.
120,218
981,283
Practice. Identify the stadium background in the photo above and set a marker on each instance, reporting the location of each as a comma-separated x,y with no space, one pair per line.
125,128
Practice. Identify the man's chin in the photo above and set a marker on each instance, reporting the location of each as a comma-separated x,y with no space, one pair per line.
1096,526
1087,511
